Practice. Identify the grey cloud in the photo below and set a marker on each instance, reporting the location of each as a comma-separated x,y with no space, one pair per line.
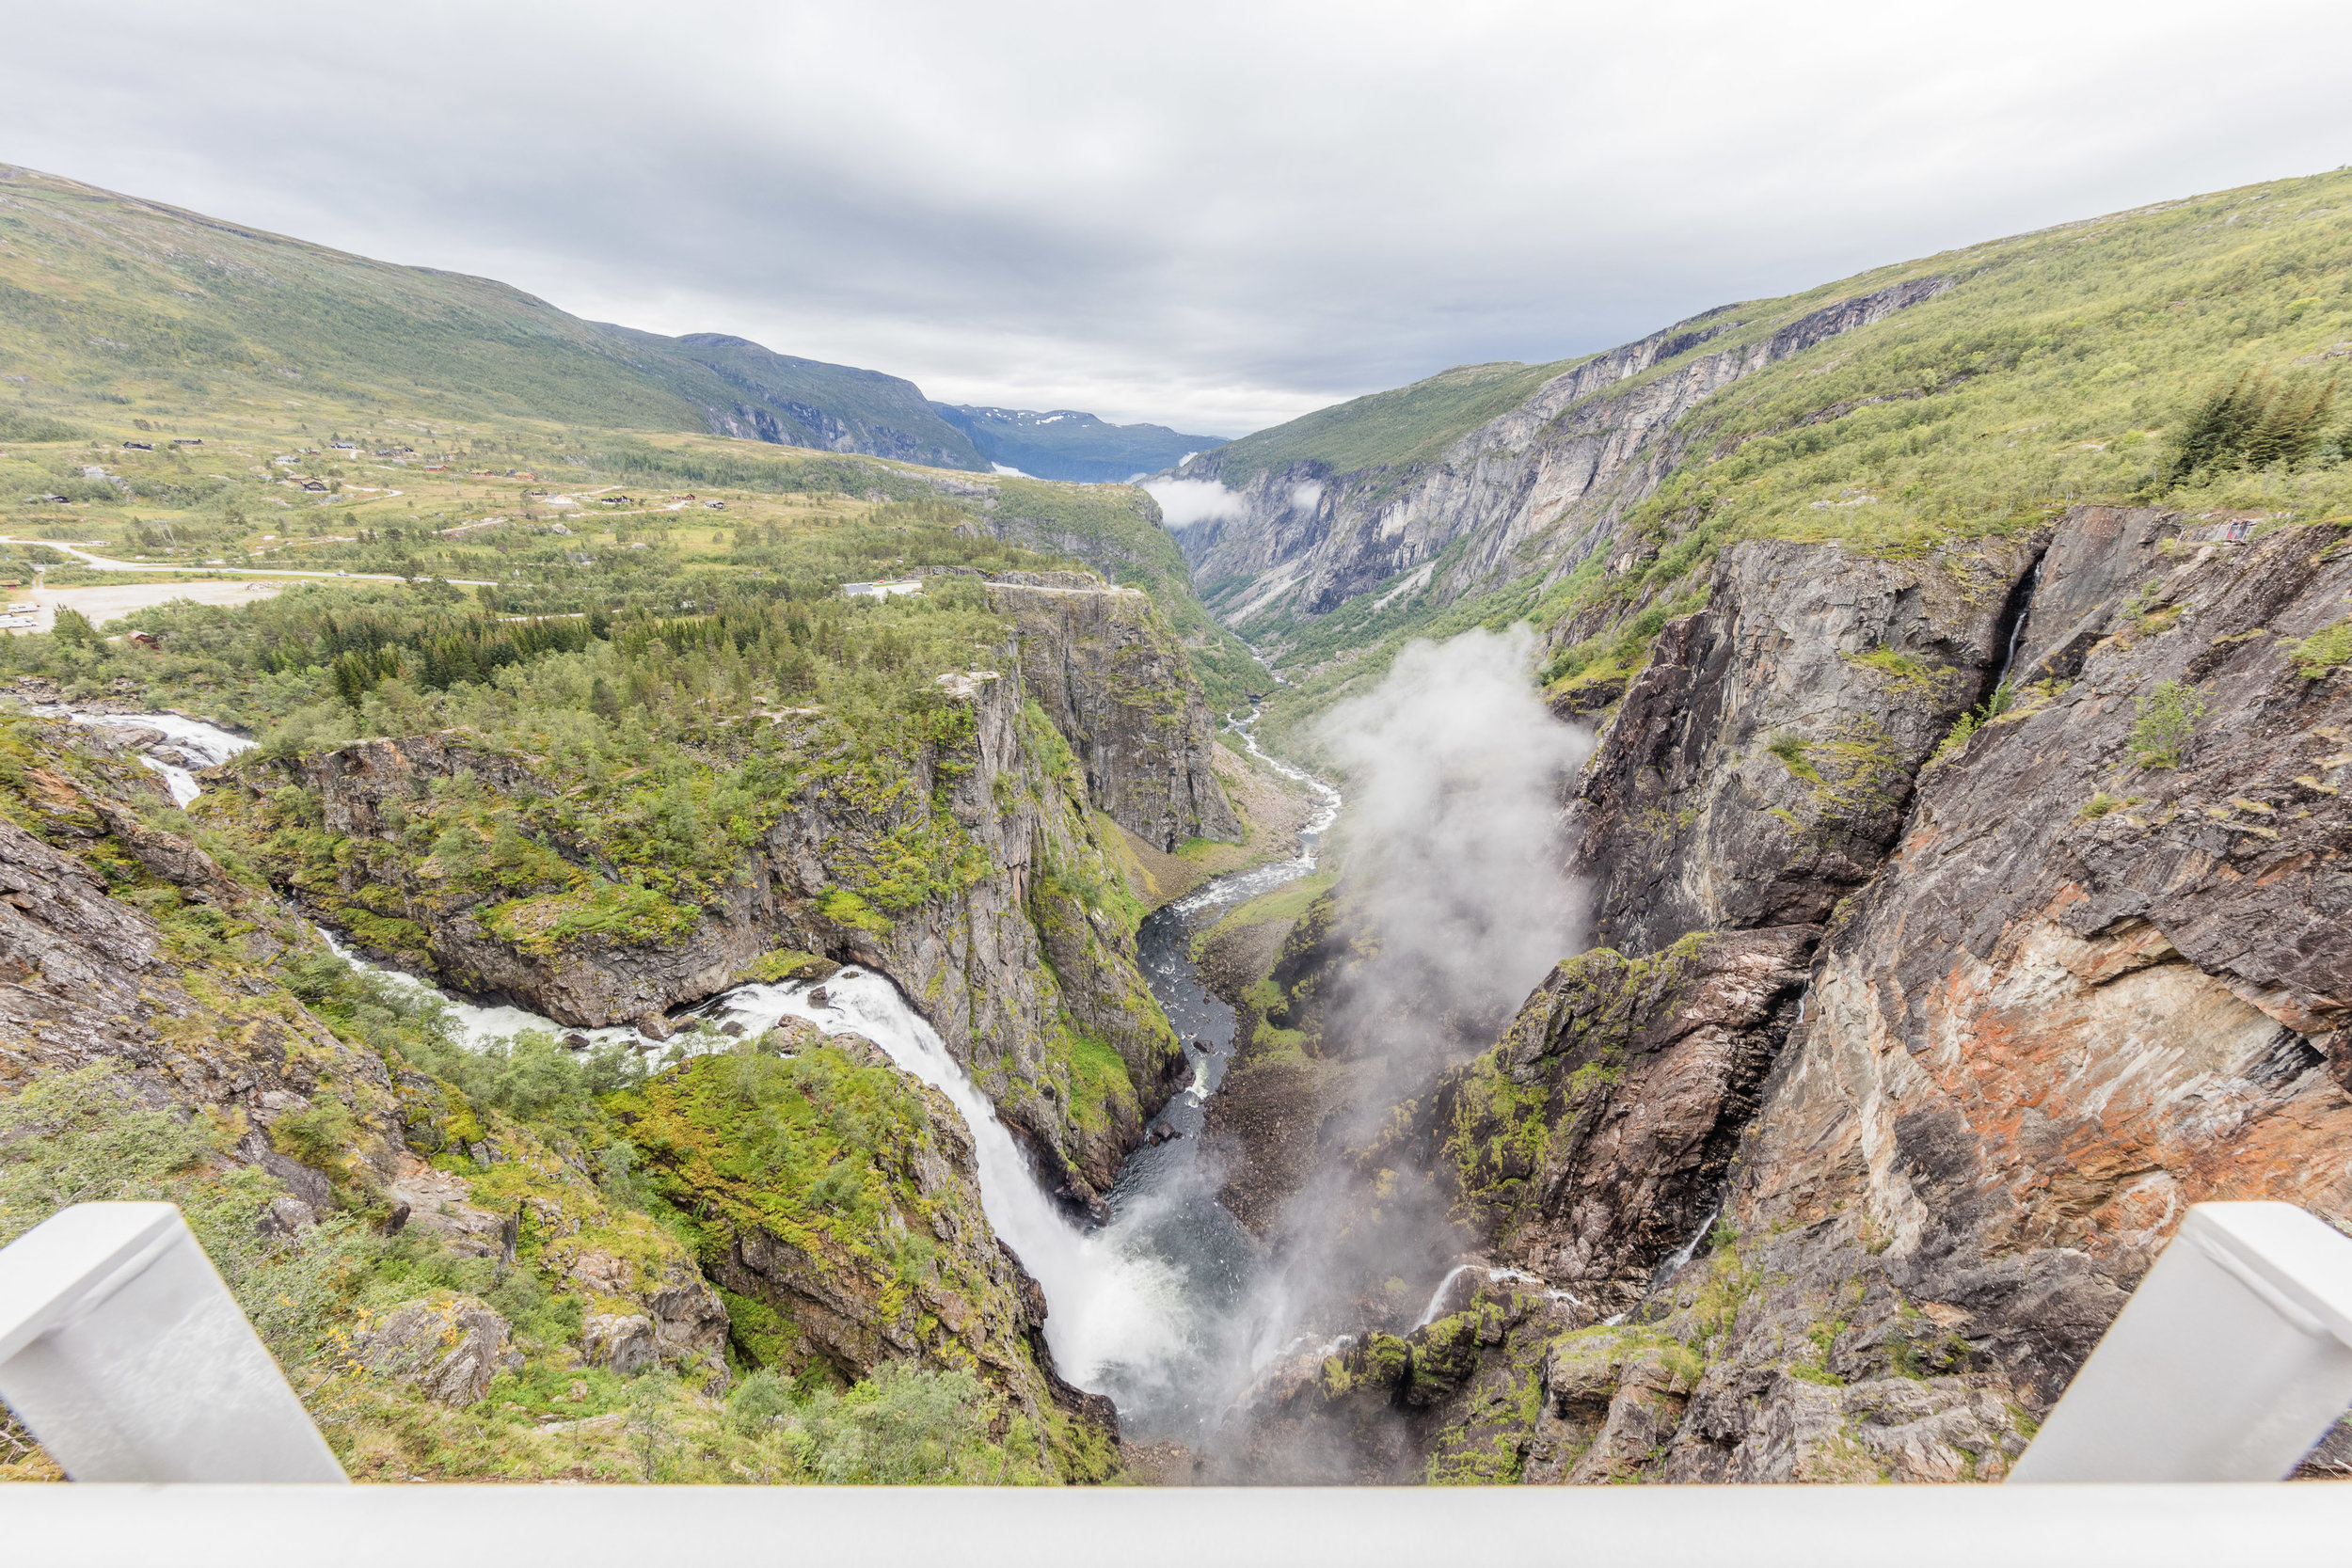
1215,224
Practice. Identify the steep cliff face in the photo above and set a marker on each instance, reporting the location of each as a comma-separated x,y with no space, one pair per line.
1908,1099
1101,665
1759,767
1532,486
978,865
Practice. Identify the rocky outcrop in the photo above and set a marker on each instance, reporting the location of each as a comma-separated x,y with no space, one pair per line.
1108,671
1543,482
1759,767
2086,964
1596,1139
840,1204
447,1348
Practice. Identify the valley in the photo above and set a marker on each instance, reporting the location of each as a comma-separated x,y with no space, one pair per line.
1693,915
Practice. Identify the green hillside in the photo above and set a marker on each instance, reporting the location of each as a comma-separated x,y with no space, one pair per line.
107,299
807,403
2188,355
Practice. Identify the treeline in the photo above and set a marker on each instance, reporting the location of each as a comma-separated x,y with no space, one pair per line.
2253,422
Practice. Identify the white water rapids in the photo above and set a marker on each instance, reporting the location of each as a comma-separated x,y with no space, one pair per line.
1150,1309
208,744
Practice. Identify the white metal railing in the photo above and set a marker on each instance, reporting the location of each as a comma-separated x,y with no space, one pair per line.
123,1352
2231,1359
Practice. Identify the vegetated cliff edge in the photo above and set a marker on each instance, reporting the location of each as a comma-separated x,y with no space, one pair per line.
973,854
1912,1035
405,1241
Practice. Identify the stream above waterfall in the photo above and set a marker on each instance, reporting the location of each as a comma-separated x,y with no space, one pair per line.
1154,1307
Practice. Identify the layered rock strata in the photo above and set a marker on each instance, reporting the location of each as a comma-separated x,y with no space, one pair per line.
1939,1076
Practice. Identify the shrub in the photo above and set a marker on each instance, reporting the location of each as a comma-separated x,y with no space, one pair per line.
1792,747
2324,650
2167,719
900,1427
319,1135
73,626
759,1405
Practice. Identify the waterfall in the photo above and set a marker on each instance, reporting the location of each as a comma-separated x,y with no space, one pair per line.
192,736
1435,1308
1146,1308
1109,1307
1445,1287
1689,1248
2017,631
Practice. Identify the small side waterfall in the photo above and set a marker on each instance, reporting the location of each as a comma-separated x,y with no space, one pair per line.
1690,1250
2017,627
1444,1292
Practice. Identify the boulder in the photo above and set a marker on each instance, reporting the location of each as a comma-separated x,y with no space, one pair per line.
446,1347
621,1343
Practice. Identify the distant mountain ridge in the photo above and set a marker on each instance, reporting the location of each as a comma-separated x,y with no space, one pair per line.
1070,445
101,293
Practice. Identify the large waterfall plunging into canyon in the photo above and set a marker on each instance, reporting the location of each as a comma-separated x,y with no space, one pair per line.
1142,1308
1171,1309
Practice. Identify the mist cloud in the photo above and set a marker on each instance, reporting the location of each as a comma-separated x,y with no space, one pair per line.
1454,844
1453,904
1186,501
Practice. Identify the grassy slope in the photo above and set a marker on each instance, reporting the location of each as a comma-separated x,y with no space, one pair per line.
884,411
110,300
121,315
2061,369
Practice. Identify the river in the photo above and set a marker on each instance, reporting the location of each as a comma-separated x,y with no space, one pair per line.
1154,1308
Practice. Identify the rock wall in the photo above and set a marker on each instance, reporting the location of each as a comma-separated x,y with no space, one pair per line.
1939,1077
1020,957
1108,673
1541,481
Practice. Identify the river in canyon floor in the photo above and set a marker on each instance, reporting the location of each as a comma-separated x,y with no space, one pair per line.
1156,1307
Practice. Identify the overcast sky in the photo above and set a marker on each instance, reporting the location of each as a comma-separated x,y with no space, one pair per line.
1214,216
